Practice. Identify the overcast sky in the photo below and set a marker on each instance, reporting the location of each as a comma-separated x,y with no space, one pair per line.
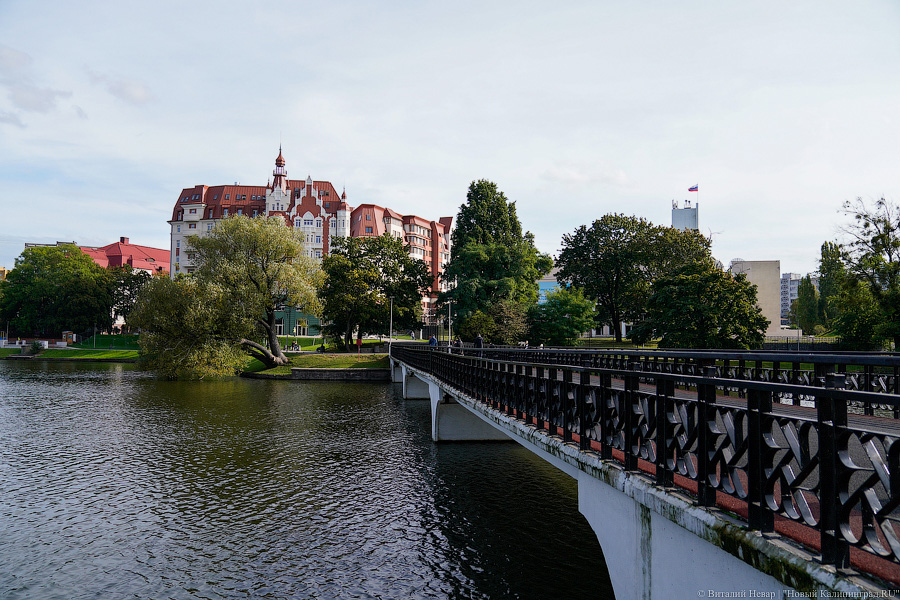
780,111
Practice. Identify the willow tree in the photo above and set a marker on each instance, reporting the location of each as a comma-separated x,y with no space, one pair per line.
262,267
248,269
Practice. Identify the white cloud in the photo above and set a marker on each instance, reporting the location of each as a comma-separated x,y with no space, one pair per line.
11,119
129,90
580,175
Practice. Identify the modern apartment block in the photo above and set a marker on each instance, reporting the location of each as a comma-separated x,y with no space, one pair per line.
316,209
765,275
790,291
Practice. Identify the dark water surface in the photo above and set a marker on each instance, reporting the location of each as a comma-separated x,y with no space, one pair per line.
116,485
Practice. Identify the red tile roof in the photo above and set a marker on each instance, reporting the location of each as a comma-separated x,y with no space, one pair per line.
122,253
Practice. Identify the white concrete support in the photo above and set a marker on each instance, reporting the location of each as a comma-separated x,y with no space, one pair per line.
452,422
649,556
397,371
413,386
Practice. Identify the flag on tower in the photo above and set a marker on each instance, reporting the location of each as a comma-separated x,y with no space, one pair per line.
694,188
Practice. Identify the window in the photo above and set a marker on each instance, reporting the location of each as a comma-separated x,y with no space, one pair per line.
192,226
225,212
209,227
318,222
368,217
318,239
177,251
240,211
178,228
368,230
178,244
193,211
226,196
254,212
327,204
307,222
318,253
216,197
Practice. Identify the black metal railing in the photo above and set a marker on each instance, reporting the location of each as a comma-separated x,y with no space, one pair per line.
671,417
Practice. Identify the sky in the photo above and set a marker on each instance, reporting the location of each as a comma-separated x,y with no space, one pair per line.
779,111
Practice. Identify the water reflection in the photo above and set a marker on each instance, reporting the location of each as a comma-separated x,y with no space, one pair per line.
114,484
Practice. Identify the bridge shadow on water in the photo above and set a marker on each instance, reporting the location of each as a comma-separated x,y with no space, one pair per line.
509,520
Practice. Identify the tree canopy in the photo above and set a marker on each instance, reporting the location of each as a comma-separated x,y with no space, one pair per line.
189,328
53,289
874,258
702,306
251,268
491,260
564,316
616,259
362,274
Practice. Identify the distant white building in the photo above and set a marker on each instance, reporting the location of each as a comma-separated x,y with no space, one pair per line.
790,291
686,218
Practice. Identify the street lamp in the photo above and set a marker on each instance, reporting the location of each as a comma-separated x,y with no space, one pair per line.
391,327
449,323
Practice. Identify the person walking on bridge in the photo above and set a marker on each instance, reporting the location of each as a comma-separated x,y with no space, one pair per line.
479,344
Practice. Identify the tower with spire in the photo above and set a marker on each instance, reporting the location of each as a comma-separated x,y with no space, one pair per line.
278,196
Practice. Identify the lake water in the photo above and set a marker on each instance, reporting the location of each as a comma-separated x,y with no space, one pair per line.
116,485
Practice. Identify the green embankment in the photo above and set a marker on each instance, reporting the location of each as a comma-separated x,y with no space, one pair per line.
324,361
8,351
90,354
109,342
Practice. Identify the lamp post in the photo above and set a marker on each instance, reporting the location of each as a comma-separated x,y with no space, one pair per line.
391,327
449,323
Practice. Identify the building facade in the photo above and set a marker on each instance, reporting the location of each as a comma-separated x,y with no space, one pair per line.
687,218
313,207
765,275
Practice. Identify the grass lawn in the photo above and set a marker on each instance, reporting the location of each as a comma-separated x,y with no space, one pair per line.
324,361
110,342
8,351
90,354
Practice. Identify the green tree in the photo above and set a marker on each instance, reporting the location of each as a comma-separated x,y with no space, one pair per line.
807,309
189,328
859,317
617,258
510,322
53,289
362,274
832,273
491,260
478,323
127,283
560,320
874,257
701,306
261,267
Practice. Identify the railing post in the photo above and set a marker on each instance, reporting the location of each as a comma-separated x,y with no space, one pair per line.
665,390
584,382
632,384
706,398
759,516
605,387
832,417
567,405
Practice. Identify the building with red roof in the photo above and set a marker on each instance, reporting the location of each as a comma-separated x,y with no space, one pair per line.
121,253
312,206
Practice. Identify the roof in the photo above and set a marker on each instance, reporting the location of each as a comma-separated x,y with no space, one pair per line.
123,253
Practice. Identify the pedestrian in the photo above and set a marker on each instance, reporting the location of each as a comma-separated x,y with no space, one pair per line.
458,344
432,342
479,344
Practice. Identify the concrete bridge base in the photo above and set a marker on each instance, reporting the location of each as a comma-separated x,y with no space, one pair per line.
656,541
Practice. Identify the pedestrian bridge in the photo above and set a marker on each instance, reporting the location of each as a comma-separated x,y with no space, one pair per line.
744,474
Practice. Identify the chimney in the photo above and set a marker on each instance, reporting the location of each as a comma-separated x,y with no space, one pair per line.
123,240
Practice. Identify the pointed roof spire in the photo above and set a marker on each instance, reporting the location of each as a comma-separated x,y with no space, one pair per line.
279,162
344,194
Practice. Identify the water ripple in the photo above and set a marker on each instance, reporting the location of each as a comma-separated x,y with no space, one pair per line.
117,485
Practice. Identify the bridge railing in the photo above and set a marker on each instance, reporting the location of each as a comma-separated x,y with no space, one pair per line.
878,373
803,464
